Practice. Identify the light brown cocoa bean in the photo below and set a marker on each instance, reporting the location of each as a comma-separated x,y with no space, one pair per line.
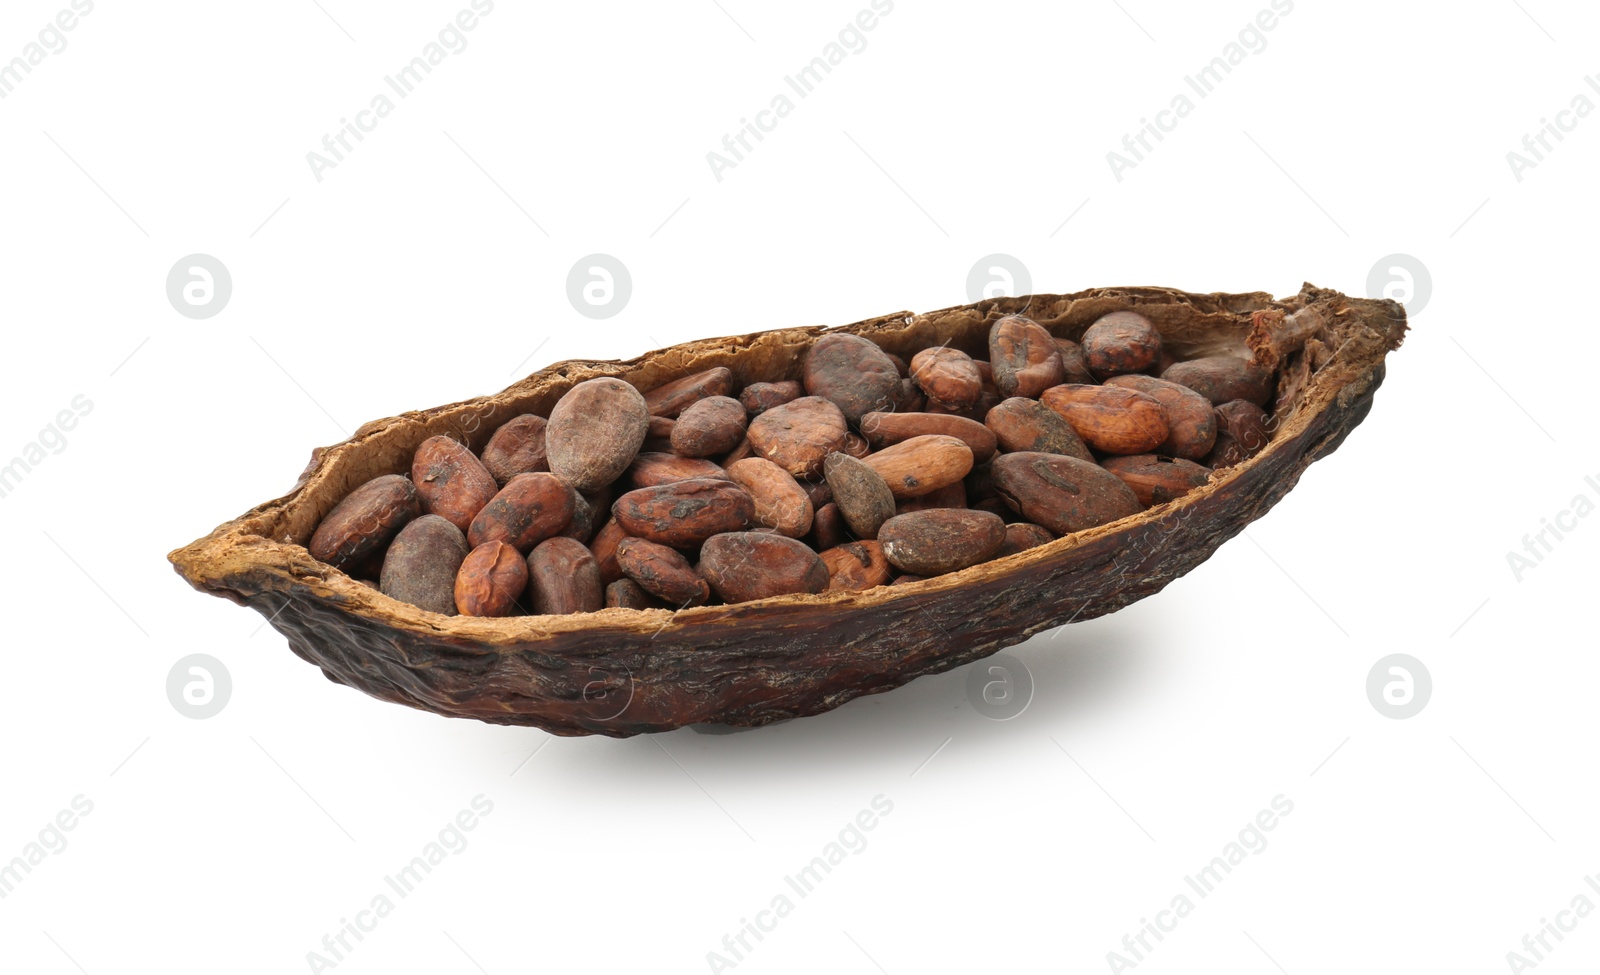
595,430
758,398
685,513
516,448
742,566
1221,378
662,572
563,577
1024,357
1064,494
887,429
1191,419
855,445
798,435
714,425
863,498
1121,342
421,565
780,502
451,482
947,376
1112,419
922,464
856,566
651,468
1027,424
604,550
670,399
491,581
940,540
360,526
852,373
528,510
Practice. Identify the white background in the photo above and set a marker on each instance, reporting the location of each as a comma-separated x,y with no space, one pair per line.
430,266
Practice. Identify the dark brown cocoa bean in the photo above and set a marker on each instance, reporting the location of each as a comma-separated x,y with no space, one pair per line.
1073,368
738,453
860,492
1027,424
1112,419
363,523
780,502
798,435
451,482
491,581
1191,419
817,491
651,468
758,398
1241,433
855,445
528,510
627,594
659,437
516,448
742,566
595,430
856,566
909,399
947,376
941,540
949,496
1024,357
421,565
685,513
828,528
887,429
671,399
662,572
1221,378
1064,494
1121,342
563,577
1023,535
852,373
711,426
922,464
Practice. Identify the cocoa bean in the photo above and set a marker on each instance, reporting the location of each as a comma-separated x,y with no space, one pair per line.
516,448
940,540
1191,419
922,464
451,482
860,493
604,550
949,496
1156,479
1064,494
595,430
627,594
1110,418
757,398
563,577
856,566
1027,424
1073,368
1024,357
671,399
528,510
714,425
685,513
742,566
1241,433
422,562
852,373
828,528
780,502
1121,342
491,581
651,468
886,429
1221,378
363,523
1023,535
947,376
798,435
662,572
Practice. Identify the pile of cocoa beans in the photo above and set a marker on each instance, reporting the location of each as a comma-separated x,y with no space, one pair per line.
869,471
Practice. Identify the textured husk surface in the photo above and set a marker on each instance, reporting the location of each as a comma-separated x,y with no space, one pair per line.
624,672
